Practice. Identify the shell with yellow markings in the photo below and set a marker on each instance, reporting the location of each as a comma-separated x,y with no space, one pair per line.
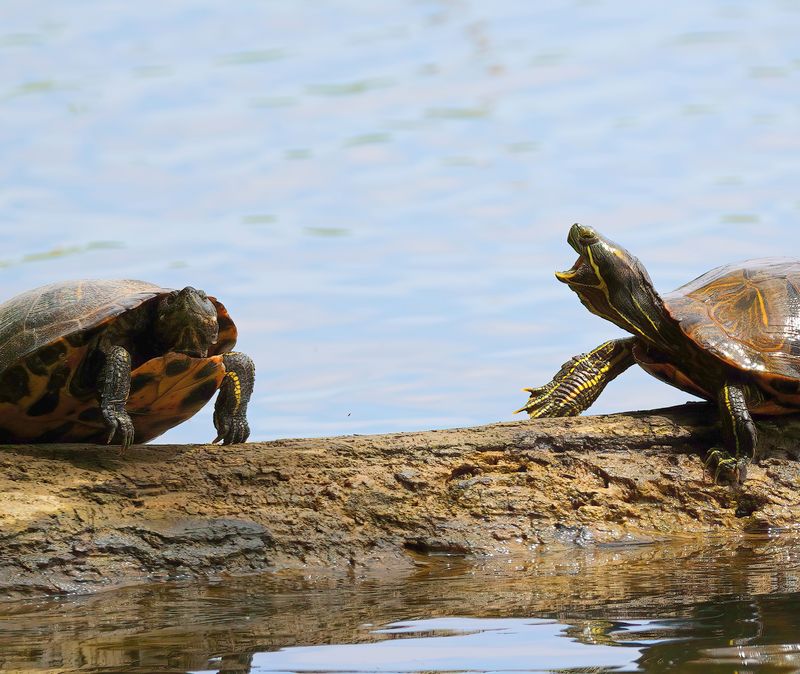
46,336
748,316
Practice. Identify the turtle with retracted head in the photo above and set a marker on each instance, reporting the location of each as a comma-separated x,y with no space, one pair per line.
91,360
731,336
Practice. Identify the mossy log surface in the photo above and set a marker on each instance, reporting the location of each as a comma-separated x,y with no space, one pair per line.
79,518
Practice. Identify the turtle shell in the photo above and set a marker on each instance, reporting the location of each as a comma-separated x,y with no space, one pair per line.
45,335
747,315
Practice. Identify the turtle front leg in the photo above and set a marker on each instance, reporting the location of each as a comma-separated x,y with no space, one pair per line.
580,380
739,435
113,387
230,410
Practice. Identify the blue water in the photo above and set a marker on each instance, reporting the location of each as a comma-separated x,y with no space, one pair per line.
380,193
453,644
713,607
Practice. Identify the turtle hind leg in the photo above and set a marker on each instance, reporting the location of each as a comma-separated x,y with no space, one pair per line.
739,435
230,410
580,380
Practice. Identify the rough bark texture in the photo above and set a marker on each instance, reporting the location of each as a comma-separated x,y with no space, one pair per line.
79,519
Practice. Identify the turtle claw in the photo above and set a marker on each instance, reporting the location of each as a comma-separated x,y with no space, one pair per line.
119,423
727,466
529,409
530,406
231,430
534,391
542,402
537,403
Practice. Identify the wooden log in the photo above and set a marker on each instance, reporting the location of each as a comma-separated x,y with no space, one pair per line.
78,519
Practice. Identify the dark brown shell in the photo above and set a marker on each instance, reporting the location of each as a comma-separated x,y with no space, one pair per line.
748,315
44,336
41,316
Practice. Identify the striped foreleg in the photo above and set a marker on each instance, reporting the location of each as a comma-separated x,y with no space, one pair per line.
580,380
230,410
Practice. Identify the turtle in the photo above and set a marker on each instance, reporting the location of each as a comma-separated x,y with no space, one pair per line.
93,360
731,336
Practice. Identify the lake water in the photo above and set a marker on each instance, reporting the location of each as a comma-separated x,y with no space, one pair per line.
380,192
685,607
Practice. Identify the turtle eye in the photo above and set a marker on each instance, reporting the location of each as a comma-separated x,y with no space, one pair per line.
166,302
587,234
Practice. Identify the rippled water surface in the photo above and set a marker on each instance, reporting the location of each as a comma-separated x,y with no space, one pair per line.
380,192
693,607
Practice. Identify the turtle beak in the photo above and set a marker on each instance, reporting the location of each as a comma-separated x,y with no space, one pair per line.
573,272
581,272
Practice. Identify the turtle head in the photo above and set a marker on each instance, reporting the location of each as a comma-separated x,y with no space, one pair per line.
187,322
612,283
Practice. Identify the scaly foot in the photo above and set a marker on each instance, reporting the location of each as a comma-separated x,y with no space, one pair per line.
732,469
579,381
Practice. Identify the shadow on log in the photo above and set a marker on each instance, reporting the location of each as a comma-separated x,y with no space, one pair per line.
81,519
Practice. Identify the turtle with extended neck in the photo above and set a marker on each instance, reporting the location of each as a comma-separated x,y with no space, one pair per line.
731,336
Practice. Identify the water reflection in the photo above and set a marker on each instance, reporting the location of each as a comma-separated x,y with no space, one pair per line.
689,604
456,644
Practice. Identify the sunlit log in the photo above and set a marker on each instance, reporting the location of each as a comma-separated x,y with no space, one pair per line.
79,519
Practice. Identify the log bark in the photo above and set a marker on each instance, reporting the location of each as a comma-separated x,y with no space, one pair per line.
79,518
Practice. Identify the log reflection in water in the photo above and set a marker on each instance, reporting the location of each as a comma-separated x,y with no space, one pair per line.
592,590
